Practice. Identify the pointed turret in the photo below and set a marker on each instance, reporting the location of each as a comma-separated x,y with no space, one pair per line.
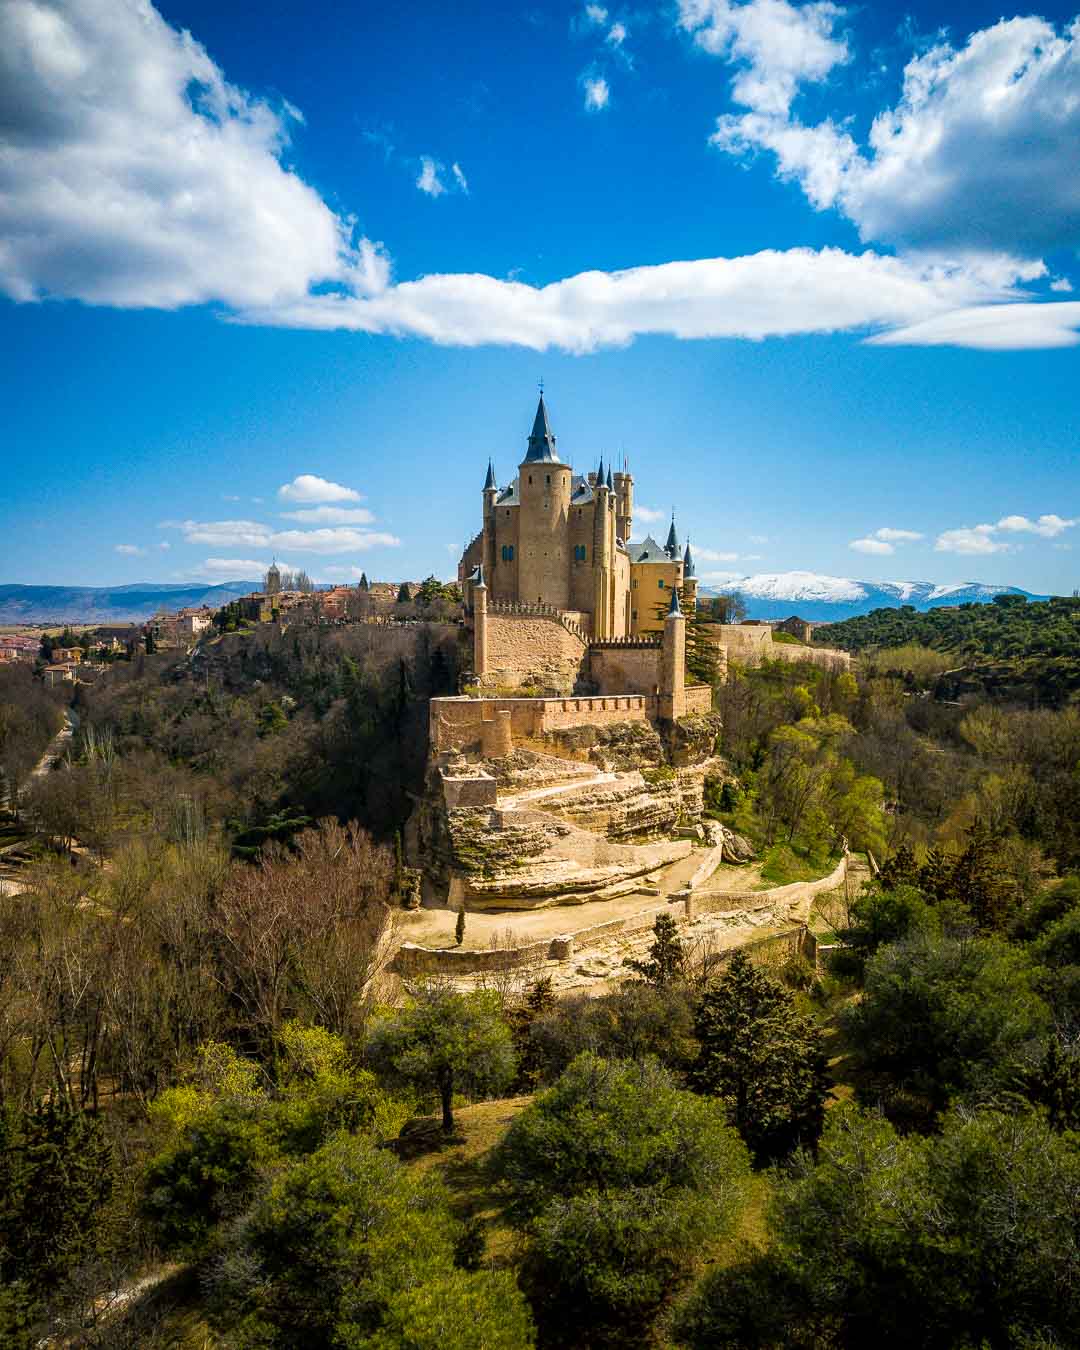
477,577
675,609
688,562
489,481
610,484
363,584
542,441
600,482
671,548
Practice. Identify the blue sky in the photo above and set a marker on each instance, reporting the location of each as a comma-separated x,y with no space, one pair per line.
278,280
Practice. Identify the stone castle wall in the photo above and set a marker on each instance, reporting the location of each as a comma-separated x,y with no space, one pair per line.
458,723
630,667
533,649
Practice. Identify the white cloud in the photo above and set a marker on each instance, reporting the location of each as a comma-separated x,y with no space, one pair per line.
722,577
974,539
309,487
333,540
235,569
892,536
596,14
759,538
616,35
766,294
428,180
251,534
648,515
711,555
977,157
222,533
984,538
164,545
331,515
133,550
777,45
459,177
992,328
1049,527
876,546
597,93
133,174
1061,284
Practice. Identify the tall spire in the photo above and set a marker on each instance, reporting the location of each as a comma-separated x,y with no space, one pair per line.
674,609
688,561
610,485
541,442
600,474
489,481
671,548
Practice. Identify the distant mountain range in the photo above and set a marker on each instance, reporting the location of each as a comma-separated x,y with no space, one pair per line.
111,604
823,599
768,595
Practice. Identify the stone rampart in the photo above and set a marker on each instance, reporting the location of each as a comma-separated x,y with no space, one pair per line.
458,723
826,657
477,789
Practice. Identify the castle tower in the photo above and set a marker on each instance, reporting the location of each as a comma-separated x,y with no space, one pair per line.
624,506
689,586
544,491
673,662
490,492
479,609
603,552
272,585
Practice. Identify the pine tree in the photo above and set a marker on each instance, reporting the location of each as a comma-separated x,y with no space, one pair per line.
403,595
1055,1084
459,927
666,958
762,1059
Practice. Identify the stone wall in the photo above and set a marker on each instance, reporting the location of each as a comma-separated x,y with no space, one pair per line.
475,789
457,723
826,657
533,649
625,667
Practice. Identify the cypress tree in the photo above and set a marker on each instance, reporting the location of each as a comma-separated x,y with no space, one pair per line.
459,927
762,1059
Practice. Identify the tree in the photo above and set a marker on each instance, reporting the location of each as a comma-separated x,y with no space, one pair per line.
346,1247
964,1239
727,608
404,597
664,966
762,1059
445,1041
1055,1085
944,1016
459,927
617,1177
56,1173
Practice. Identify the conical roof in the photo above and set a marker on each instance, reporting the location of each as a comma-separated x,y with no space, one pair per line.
671,548
542,441
600,474
611,486
674,609
688,562
489,481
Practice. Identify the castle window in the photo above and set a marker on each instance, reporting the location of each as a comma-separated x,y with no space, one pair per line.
547,478
579,553
660,583
530,478
633,584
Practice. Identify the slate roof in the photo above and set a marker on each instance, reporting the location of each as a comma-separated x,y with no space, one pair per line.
541,442
646,550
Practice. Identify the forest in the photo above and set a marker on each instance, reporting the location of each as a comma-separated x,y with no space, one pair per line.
219,1127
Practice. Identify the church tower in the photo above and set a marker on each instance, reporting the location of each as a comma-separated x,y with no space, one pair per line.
544,485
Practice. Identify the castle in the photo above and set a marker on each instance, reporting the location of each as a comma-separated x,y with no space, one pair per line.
563,540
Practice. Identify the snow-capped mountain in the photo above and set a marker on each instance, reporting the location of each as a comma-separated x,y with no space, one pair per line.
823,599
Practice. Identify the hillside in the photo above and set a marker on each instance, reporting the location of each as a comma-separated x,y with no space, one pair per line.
111,604
826,599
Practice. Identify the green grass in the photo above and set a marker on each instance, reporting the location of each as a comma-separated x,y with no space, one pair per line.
783,864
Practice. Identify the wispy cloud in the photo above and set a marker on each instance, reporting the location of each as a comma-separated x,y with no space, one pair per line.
648,515
252,534
884,541
876,546
428,179
597,93
331,515
712,554
131,550
459,177
982,539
